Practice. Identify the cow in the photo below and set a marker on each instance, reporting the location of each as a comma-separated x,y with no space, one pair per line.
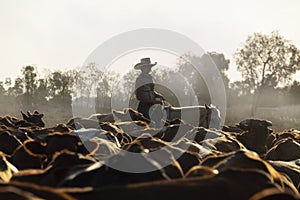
34,118
30,155
128,114
57,141
255,135
27,190
56,170
286,150
80,122
198,171
290,133
289,168
234,184
8,142
274,194
206,116
6,169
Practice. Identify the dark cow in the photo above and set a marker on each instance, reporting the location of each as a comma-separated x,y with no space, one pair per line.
291,169
31,155
234,184
222,144
79,122
174,133
56,171
34,118
57,141
274,194
17,190
198,171
290,133
8,142
198,134
255,135
128,115
286,149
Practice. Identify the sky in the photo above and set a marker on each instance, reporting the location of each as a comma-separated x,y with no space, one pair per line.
61,34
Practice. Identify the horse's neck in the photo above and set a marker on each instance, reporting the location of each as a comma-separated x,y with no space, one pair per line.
186,107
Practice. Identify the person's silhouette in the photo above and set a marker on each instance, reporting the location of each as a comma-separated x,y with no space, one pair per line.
144,87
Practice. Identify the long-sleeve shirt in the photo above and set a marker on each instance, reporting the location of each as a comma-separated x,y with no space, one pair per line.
144,89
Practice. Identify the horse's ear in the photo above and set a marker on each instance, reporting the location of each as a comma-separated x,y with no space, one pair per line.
207,107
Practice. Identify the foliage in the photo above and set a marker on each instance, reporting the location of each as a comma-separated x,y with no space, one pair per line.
267,60
194,77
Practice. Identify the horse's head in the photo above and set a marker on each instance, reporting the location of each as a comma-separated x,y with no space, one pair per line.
213,117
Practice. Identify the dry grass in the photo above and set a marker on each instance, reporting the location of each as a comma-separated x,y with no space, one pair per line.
283,117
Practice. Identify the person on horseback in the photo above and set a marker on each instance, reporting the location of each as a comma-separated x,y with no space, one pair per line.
144,88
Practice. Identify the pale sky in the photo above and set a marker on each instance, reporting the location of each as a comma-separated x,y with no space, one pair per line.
60,34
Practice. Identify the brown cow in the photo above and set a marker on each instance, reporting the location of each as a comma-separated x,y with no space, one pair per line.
6,169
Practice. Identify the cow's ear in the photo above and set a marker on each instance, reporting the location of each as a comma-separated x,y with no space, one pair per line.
29,114
126,110
36,112
24,115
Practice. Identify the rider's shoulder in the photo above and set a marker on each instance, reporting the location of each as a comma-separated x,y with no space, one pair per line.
144,76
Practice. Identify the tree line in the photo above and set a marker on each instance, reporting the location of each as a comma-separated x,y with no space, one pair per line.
267,63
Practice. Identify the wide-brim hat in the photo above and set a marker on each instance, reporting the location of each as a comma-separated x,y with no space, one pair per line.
144,62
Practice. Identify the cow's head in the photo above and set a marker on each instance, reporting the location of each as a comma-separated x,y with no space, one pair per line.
35,118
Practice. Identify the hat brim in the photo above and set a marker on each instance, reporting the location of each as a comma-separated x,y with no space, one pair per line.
140,65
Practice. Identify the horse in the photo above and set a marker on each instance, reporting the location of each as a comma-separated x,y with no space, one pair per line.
205,116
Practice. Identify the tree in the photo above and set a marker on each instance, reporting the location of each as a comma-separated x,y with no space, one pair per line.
30,84
17,89
194,77
60,86
2,89
294,92
89,76
29,79
41,91
109,87
8,85
2,92
266,60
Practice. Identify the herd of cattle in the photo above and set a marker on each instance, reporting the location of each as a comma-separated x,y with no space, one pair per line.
77,160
